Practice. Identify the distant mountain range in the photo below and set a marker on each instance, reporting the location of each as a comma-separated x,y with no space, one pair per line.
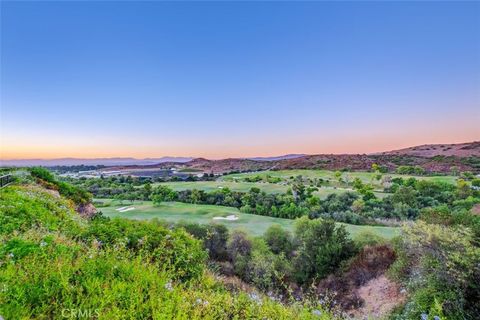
287,156
91,162
117,161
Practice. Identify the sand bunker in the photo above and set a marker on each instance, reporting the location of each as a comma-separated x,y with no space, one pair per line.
229,218
125,209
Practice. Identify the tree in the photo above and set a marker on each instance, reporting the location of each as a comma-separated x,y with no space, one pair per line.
196,196
338,175
358,205
131,196
366,190
279,240
463,189
405,195
216,241
147,190
238,245
239,249
321,248
298,189
120,197
357,184
163,193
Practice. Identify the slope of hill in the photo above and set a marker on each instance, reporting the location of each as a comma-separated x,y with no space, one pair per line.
355,162
470,149
287,156
433,158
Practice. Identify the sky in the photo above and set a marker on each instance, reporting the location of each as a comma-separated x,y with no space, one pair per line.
236,79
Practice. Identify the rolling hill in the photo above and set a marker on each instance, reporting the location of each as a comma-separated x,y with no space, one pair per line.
471,149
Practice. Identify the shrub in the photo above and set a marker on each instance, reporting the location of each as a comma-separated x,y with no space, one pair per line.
279,240
239,245
441,265
239,248
266,270
214,237
26,207
173,250
76,194
322,246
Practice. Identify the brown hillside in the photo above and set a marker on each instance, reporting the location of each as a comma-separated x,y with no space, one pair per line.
433,158
470,149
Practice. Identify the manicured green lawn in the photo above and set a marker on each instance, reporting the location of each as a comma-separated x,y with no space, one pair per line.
242,186
234,186
176,211
366,177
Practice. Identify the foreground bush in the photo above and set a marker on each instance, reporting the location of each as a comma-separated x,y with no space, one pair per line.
441,264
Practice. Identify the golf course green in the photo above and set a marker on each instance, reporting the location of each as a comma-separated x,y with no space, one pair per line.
176,211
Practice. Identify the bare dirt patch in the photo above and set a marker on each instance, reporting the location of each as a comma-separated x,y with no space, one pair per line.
380,296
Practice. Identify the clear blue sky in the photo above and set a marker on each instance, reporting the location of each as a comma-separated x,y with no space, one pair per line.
236,79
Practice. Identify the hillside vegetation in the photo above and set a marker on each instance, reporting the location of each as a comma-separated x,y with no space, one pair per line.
471,149
55,264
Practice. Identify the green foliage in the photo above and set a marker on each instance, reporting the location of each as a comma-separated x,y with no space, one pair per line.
254,179
366,190
321,248
27,207
115,285
239,245
441,265
416,170
77,195
266,270
368,238
163,193
172,250
279,240
476,182
214,237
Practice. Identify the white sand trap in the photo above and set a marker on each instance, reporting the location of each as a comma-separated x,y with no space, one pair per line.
122,208
126,209
229,218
